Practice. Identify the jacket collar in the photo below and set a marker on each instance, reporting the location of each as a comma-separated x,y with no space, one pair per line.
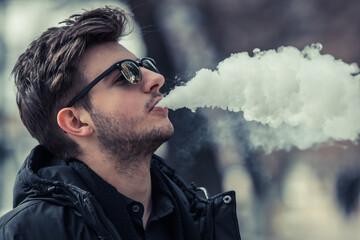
42,173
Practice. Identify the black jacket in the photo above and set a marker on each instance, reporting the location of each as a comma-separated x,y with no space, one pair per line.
52,202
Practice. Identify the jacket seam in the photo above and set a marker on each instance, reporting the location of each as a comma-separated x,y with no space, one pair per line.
22,208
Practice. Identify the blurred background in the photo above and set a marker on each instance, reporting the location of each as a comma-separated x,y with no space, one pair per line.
312,194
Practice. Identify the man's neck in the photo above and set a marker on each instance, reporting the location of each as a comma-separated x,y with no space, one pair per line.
132,180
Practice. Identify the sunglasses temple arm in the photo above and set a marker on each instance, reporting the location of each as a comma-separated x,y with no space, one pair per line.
85,90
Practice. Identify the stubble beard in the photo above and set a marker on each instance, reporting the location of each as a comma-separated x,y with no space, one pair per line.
118,137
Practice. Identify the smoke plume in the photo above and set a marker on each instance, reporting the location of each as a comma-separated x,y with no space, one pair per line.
288,97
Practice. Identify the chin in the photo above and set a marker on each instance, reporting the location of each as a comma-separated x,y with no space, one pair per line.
167,132
156,137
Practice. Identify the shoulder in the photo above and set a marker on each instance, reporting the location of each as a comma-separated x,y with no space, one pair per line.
38,219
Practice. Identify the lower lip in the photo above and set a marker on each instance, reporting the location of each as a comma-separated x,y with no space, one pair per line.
159,109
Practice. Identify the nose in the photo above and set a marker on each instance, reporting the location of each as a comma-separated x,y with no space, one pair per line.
152,81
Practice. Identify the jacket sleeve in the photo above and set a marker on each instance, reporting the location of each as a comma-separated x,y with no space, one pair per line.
41,220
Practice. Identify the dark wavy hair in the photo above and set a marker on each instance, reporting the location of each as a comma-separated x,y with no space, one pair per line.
47,75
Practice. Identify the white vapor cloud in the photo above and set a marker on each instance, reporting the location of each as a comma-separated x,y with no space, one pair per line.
288,97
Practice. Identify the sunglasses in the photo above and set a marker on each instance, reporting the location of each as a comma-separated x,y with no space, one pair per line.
130,70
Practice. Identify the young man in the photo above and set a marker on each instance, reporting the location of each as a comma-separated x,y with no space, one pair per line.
91,104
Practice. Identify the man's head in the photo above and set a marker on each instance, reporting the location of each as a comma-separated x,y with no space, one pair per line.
61,62
122,116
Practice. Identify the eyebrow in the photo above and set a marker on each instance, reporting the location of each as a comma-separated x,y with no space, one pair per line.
109,76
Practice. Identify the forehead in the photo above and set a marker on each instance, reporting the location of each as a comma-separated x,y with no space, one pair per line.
99,57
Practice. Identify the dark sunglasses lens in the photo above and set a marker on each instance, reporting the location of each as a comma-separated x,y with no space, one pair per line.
150,64
131,71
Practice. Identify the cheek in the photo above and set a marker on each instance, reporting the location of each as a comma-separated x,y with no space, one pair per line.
120,101
128,105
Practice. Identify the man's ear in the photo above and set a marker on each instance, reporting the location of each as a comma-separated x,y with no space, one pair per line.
74,122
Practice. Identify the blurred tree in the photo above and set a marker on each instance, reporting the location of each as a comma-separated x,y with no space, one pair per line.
348,190
3,54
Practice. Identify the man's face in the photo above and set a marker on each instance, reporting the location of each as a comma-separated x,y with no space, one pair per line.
123,114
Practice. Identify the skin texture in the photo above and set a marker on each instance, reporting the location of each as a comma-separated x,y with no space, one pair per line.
123,129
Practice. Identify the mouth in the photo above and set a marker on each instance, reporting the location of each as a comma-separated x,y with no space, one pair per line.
156,101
